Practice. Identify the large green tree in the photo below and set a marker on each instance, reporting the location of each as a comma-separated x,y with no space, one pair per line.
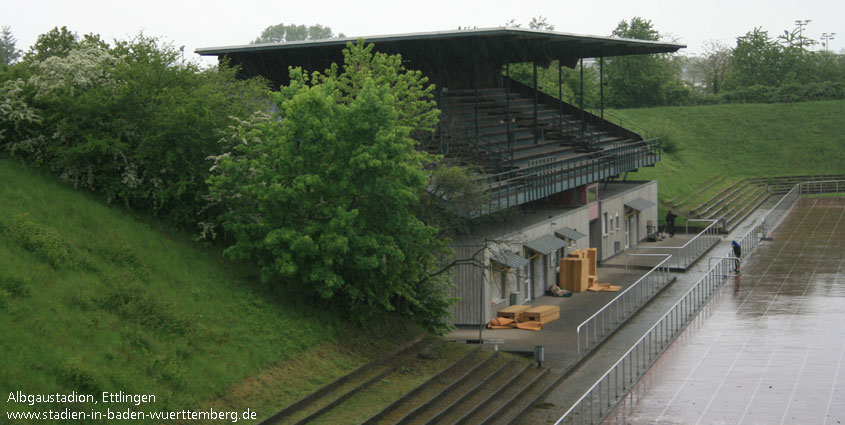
323,196
291,32
642,80
9,53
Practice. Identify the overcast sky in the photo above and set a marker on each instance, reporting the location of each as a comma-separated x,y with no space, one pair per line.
213,23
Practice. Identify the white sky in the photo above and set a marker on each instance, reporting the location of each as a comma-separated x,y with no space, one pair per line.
213,23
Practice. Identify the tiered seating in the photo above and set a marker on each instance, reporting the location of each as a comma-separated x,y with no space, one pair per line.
558,136
732,200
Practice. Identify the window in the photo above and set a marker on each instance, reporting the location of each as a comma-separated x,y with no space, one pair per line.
617,221
604,228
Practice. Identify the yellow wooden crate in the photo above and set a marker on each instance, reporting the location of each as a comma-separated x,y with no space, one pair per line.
543,314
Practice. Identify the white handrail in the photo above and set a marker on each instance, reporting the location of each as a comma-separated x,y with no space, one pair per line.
662,271
676,318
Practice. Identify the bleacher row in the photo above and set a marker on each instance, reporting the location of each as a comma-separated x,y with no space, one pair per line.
732,200
475,130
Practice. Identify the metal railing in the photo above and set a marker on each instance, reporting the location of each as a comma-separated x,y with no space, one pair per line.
683,256
517,187
824,186
609,317
603,395
624,374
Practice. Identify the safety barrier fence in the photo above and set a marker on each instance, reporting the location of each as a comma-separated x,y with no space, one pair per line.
683,256
603,322
603,395
624,374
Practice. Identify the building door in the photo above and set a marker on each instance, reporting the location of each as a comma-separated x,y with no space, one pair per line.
540,283
633,225
595,237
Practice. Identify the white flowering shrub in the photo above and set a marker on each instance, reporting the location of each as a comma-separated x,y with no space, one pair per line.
16,118
82,69
134,121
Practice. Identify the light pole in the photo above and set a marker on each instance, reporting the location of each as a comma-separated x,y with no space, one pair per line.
801,24
826,40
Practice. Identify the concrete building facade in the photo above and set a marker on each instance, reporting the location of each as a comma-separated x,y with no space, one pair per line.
516,261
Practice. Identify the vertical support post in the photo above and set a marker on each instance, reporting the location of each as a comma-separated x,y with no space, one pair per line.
583,117
475,80
535,102
440,105
601,87
560,98
508,108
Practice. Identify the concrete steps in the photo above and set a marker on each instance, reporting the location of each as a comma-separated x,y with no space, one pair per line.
480,387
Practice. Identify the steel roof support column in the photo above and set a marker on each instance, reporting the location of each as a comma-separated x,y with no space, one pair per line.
443,150
535,101
511,138
601,85
583,118
475,80
560,99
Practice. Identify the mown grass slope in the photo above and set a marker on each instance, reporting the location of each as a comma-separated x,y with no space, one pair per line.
93,299
742,140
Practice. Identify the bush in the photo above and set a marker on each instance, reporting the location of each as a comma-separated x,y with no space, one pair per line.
43,242
14,286
134,122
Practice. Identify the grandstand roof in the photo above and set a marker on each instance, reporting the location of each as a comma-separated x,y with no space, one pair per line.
509,44
487,47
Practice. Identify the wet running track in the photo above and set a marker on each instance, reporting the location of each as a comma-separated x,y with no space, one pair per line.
770,347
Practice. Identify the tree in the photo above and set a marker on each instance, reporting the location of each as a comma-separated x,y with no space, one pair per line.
322,197
540,23
642,80
282,33
9,54
715,65
134,122
56,42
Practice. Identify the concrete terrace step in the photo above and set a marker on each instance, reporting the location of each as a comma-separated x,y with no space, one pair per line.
334,393
728,201
467,384
501,398
525,400
437,387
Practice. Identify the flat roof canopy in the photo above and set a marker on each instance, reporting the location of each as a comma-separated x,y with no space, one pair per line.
490,48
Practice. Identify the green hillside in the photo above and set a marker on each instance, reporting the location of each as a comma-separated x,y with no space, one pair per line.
93,299
742,140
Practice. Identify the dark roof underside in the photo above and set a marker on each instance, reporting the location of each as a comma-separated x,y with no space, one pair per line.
494,45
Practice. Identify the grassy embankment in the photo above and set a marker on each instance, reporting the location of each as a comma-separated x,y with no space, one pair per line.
741,141
93,299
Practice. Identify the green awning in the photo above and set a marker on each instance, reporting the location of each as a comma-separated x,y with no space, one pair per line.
509,259
546,245
570,234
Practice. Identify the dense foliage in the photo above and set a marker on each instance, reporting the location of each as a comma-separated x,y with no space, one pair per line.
134,121
323,194
642,80
9,53
280,33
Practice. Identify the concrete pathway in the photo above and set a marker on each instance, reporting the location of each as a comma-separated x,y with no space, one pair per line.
771,349
582,374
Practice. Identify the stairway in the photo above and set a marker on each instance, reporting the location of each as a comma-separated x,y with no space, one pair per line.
479,387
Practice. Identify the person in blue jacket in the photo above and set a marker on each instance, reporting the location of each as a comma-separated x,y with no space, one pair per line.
737,254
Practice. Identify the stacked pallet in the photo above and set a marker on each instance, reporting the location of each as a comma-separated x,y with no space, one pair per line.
525,317
578,273
578,270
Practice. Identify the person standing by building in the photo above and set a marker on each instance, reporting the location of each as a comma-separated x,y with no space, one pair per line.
737,254
670,223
